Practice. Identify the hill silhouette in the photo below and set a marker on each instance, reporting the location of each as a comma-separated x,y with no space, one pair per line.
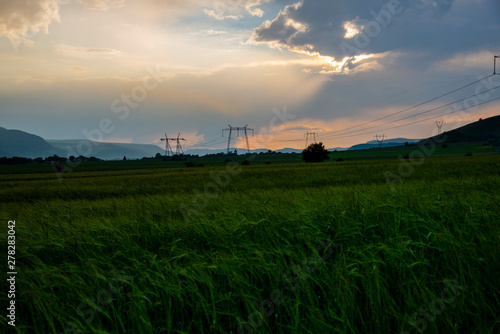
107,151
16,143
478,131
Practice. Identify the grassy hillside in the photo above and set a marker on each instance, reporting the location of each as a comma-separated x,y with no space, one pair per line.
476,131
280,248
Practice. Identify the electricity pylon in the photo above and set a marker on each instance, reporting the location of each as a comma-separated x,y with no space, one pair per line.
168,147
237,129
380,139
178,149
312,134
439,125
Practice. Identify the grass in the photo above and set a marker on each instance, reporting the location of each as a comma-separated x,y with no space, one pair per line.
108,250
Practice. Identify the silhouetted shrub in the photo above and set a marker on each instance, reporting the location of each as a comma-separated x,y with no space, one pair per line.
444,145
245,163
315,153
468,154
339,159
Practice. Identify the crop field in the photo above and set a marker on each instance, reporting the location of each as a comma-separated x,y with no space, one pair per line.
361,246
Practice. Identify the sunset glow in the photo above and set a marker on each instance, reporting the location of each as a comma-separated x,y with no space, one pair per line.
206,64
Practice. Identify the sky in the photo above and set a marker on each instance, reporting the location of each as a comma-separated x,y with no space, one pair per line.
130,71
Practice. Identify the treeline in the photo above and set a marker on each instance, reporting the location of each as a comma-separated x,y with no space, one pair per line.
49,160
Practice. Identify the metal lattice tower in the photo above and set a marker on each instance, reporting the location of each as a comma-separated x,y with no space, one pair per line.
312,134
439,125
245,130
380,139
168,148
178,147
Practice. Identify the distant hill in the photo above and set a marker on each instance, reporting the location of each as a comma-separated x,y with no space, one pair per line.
387,143
477,131
107,151
16,143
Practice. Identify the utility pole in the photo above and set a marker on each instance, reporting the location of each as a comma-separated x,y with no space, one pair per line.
245,130
495,64
312,134
439,125
380,139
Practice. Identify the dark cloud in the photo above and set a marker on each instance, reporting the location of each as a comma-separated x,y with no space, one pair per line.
437,27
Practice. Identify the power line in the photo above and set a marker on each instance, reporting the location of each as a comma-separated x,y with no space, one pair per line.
414,106
419,121
410,116
343,135
210,143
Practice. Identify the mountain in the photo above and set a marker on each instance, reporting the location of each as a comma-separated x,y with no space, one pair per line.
477,131
288,150
337,149
16,143
106,151
387,143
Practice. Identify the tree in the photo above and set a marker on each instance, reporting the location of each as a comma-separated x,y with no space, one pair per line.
315,153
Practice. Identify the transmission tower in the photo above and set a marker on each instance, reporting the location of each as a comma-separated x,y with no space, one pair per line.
439,125
168,148
313,135
178,149
245,130
380,139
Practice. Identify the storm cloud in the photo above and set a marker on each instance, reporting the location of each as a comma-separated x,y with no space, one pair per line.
345,29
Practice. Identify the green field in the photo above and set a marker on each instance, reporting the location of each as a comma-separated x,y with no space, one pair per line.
286,247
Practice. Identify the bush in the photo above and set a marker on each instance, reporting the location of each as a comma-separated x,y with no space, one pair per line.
315,153
268,162
245,163
444,145
192,164
468,154
339,159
